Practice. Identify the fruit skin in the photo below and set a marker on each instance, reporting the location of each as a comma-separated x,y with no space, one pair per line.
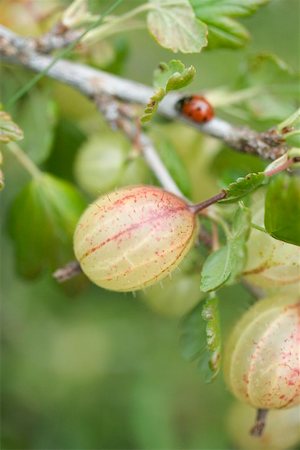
103,163
262,356
282,430
271,263
177,294
131,238
196,108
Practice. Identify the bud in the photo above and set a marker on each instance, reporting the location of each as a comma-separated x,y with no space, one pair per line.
262,357
133,237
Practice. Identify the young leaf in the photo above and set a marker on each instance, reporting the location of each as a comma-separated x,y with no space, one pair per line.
152,105
9,130
210,313
168,77
223,30
174,25
244,186
175,166
173,75
282,209
43,218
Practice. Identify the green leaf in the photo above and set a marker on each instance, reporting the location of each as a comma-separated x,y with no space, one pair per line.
282,209
173,75
223,30
175,166
167,77
9,130
42,222
244,186
174,25
193,335
152,105
201,337
210,313
224,265
1,173
216,269
37,117
240,232
276,86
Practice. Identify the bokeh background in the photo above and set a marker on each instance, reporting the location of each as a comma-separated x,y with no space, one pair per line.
83,368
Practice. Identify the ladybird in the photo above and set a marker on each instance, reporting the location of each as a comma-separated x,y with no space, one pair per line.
196,108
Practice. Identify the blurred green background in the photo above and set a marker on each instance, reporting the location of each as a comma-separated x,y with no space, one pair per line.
83,368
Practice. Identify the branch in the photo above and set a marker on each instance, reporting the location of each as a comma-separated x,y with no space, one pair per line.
89,81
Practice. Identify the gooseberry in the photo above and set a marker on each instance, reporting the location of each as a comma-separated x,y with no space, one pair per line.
177,294
131,238
271,263
262,356
281,432
103,163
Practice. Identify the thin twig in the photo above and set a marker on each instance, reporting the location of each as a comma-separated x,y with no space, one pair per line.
19,50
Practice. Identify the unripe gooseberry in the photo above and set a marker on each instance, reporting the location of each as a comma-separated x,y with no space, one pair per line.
177,294
104,162
262,356
133,237
282,430
270,263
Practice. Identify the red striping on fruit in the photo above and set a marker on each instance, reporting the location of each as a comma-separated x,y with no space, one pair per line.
138,236
262,358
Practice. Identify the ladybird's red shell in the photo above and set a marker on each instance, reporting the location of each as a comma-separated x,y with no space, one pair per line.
196,108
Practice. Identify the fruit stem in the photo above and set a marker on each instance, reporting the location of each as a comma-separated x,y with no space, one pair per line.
70,270
260,423
210,201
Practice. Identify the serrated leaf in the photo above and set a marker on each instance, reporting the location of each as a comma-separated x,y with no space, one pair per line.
282,209
9,130
224,265
210,314
223,30
152,105
175,166
167,77
175,26
173,75
244,186
42,221
201,338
